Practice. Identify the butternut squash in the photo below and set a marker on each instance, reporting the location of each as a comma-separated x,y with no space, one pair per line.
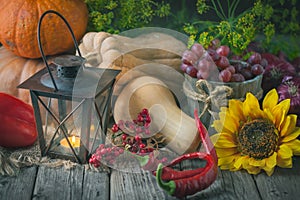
120,52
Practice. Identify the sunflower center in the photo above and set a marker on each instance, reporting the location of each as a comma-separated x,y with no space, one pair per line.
258,139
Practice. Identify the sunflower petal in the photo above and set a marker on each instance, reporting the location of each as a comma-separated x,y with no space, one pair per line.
251,107
232,168
280,112
271,99
236,109
284,105
214,138
284,152
226,160
256,162
226,140
231,125
294,145
268,170
219,126
253,170
288,125
271,161
285,163
225,167
240,161
292,136
269,115
279,116
226,152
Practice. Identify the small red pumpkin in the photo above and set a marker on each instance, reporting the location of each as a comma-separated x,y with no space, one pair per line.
19,21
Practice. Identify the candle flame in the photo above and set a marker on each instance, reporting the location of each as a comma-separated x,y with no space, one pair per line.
92,127
73,140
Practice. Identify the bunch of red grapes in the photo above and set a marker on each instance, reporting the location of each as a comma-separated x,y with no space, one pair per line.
217,63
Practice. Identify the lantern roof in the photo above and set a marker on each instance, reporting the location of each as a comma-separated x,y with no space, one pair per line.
89,82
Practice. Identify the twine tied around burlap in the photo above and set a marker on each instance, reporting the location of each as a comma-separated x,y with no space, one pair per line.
212,97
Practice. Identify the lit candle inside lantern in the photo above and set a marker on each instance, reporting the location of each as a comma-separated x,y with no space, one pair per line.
74,140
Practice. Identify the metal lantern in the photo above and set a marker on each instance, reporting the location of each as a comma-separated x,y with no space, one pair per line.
71,104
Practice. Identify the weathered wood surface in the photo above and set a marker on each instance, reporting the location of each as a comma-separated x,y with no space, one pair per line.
18,187
284,184
78,183
55,183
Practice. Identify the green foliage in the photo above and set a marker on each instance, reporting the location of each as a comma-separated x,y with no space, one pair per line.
265,17
114,16
201,6
285,16
231,21
234,30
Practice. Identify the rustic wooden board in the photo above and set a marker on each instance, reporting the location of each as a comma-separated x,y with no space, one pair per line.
237,185
79,183
95,185
59,183
135,186
18,187
283,184
228,185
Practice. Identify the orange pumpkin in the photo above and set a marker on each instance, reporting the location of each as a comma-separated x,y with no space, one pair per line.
19,21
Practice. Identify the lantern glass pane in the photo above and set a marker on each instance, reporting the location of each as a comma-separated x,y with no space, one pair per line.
58,124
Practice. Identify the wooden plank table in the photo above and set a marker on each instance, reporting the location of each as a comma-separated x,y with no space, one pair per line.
40,182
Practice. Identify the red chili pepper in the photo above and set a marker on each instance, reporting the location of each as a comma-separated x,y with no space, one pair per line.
17,123
168,173
190,184
191,181
150,163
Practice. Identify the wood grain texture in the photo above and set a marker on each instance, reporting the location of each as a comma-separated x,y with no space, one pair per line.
228,185
283,184
95,185
18,187
135,186
59,183
78,183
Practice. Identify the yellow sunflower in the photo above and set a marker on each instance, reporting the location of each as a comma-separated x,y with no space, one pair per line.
256,139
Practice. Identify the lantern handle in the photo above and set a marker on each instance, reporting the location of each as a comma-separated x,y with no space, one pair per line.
40,45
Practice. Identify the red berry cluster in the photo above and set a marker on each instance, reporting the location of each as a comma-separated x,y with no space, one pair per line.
135,144
105,155
138,127
218,64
